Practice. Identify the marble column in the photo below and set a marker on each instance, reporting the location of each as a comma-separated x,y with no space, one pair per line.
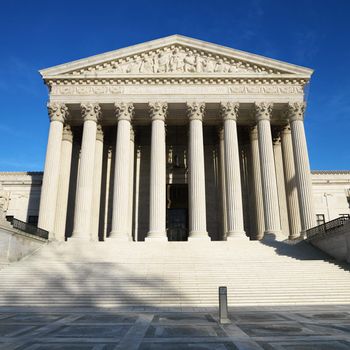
197,205
302,166
222,182
290,183
267,165
58,113
96,195
91,113
131,181
277,149
119,231
235,224
157,208
63,184
257,186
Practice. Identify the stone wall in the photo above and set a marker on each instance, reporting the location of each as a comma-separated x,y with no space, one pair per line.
14,245
335,244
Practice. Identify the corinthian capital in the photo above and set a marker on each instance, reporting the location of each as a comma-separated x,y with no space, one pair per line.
263,110
57,111
295,110
158,110
229,110
91,111
124,111
195,110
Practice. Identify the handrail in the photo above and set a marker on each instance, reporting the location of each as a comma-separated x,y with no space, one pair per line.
327,227
28,228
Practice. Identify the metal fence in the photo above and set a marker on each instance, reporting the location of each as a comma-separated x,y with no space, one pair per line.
327,227
31,229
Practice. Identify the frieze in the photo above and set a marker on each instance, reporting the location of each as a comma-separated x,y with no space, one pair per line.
247,89
176,59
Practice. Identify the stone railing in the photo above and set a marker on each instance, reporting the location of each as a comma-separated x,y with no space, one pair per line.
332,237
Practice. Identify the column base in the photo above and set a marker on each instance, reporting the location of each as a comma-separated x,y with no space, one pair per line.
233,235
196,236
78,239
118,236
156,236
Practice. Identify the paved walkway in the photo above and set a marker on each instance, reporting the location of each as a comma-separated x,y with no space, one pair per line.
299,328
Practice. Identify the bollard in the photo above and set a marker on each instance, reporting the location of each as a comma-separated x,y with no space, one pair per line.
223,312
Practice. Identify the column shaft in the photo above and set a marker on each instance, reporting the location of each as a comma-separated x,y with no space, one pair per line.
290,183
83,201
235,223
157,218
131,181
96,195
63,184
280,185
198,226
257,186
223,183
49,187
268,173
302,167
121,174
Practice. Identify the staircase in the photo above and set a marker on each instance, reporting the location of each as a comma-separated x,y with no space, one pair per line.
174,274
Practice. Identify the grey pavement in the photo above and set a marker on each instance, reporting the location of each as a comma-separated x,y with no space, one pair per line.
284,328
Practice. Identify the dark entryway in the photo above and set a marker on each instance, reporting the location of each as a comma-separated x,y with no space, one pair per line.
177,212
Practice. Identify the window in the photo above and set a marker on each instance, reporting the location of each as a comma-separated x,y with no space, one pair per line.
320,219
33,220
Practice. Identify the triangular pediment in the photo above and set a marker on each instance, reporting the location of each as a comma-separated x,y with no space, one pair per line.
175,56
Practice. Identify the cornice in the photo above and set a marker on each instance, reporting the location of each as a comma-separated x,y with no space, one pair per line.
330,172
16,173
129,79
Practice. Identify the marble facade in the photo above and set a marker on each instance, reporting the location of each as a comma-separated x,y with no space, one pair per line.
176,134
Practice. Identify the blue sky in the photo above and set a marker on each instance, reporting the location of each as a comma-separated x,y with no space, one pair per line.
38,34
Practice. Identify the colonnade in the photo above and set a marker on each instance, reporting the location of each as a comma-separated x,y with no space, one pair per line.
55,187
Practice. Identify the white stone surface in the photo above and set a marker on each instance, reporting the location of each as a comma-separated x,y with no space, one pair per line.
121,174
83,202
235,227
52,163
96,194
63,185
302,166
268,172
197,208
157,214
290,183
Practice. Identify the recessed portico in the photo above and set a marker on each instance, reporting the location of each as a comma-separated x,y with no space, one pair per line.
176,111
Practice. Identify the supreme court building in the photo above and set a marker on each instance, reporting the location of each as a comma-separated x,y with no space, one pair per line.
176,139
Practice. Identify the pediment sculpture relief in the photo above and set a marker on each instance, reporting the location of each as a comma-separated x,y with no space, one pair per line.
177,59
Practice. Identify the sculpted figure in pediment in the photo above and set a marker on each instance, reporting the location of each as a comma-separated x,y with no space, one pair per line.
147,65
177,63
